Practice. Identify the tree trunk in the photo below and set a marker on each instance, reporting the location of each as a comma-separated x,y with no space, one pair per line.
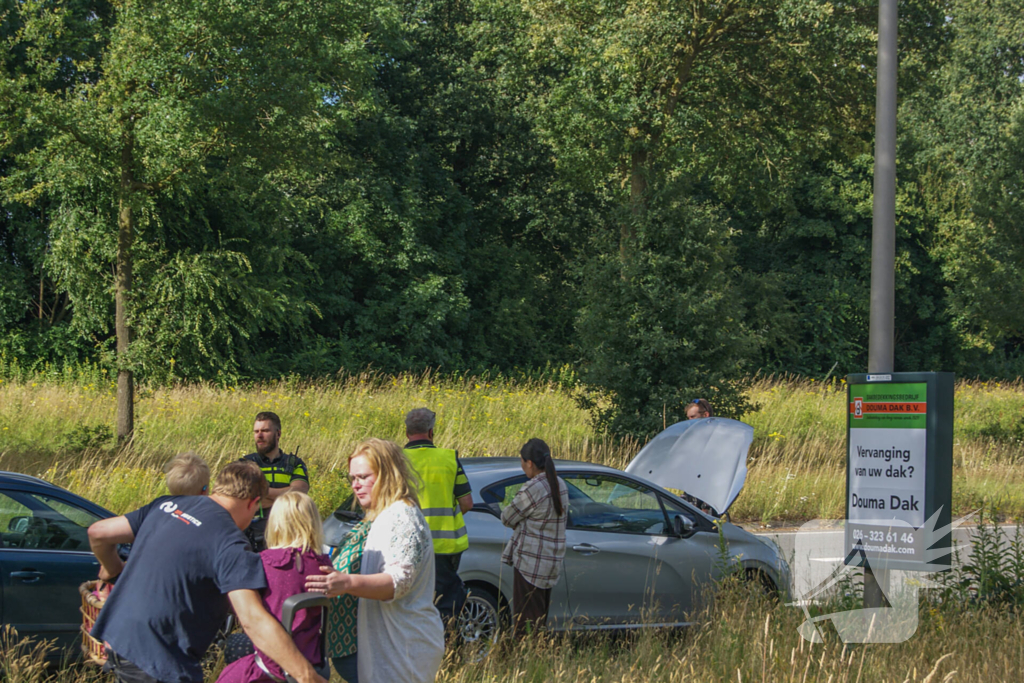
637,199
122,292
638,181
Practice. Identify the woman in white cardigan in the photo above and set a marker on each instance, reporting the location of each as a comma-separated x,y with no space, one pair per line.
399,631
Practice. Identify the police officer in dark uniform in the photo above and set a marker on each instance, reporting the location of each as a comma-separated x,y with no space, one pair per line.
284,472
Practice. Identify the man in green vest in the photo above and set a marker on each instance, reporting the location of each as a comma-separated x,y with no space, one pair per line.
445,495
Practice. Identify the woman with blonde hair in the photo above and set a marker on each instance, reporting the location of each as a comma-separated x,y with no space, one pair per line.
295,538
399,631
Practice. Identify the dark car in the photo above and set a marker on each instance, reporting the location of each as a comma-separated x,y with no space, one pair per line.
44,558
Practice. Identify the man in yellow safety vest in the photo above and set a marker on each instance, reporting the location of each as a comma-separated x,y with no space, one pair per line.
444,496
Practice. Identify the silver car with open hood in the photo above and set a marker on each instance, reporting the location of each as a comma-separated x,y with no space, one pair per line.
637,553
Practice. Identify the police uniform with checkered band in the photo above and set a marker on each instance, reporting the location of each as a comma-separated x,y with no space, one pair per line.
280,473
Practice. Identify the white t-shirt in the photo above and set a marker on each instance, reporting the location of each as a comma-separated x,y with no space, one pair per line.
401,639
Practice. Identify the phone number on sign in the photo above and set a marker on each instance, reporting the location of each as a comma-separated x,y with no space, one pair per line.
883,536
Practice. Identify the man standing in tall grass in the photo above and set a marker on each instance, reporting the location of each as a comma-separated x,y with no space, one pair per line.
284,472
445,495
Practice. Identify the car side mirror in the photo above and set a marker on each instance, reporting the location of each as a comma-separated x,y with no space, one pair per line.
488,508
350,511
683,526
348,516
18,525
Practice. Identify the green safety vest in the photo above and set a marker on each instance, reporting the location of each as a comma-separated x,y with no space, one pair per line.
437,468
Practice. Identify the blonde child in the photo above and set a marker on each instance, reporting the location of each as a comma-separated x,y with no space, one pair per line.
294,540
187,475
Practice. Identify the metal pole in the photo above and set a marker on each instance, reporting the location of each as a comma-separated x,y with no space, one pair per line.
883,233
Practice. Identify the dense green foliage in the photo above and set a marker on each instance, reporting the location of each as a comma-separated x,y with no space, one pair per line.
668,195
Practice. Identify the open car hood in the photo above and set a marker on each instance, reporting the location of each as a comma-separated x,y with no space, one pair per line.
706,458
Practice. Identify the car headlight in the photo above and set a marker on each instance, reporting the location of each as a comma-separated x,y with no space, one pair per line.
780,558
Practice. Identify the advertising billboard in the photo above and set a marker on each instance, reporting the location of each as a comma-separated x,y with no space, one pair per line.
899,467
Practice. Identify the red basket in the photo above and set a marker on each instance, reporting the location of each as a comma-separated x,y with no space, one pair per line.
92,649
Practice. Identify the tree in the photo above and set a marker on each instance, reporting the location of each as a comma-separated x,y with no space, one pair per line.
665,326
118,112
966,134
440,237
636,91
665,110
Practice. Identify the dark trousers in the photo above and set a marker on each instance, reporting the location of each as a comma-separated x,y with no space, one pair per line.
236,646
530,605
449,591
124,671
256,533
347,667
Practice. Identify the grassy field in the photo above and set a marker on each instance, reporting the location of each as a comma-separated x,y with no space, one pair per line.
62,431
743,636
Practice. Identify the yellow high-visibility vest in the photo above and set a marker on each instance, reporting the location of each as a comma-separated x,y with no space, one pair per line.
437,468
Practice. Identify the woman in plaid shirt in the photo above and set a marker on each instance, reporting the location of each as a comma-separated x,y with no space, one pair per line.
537,516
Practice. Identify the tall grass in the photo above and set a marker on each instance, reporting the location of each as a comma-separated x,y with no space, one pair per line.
742,636
62,431
968,629
746,637
60,428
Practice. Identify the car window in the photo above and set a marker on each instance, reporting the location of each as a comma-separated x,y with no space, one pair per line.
673,509
13,518
30,521
609,503
503,493
82,518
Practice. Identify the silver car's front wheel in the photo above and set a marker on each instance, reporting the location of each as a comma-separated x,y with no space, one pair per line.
479,621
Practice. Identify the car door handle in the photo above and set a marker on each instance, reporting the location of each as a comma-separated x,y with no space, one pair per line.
586,549
28,576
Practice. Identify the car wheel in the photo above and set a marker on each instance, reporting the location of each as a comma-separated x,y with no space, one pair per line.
763,581
479,621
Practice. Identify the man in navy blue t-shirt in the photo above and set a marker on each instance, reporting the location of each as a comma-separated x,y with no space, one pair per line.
189,563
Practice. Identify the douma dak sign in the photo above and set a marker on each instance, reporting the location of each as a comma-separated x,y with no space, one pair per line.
899,466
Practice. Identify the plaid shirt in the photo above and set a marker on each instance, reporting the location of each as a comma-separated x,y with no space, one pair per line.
538,538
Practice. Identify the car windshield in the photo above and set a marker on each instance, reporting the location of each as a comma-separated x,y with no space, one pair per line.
609,503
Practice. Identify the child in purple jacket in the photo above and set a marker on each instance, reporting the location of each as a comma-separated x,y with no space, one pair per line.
294,540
